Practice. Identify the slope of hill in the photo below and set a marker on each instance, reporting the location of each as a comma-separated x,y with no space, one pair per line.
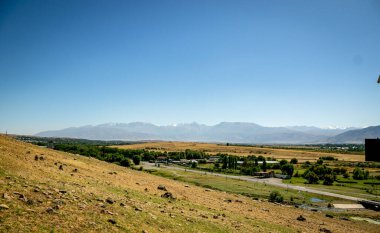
236,132
49,191
356,136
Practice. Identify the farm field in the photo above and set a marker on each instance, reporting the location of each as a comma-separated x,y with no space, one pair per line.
43,190
301,155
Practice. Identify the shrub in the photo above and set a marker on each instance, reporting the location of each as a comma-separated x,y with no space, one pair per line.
328,158
360,174
264,166
202,161
275,196
125,162
328,179
312,178
283,162
320,161
249,170
294,161
136,159
288,169
306,164
260,158
341,170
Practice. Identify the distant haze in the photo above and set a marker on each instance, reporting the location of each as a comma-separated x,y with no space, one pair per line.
235,132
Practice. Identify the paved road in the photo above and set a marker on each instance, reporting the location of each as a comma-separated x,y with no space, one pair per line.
270,181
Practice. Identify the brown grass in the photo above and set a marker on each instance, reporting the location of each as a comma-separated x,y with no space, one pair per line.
84,209
301,155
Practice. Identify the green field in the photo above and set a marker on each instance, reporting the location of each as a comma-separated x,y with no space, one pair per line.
250,189
346,186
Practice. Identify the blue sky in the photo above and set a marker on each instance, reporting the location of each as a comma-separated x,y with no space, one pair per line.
275,63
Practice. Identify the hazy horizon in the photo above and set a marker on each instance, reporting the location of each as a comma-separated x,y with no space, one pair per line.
331,127
273,63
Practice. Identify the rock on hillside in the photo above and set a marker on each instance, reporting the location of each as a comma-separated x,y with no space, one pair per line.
37,196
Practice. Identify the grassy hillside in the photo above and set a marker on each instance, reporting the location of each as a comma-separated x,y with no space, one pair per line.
87,195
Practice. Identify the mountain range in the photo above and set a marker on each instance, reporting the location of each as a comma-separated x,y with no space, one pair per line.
234,132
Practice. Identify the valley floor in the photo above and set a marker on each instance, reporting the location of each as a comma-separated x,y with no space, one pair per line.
43,190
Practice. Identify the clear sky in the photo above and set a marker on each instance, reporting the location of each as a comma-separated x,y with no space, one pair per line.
274,63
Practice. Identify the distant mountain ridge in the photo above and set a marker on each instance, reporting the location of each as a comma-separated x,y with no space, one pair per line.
357,135
234,132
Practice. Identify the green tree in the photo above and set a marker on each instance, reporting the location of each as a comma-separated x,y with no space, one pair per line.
312,178
224,162
360,174
125,162
287,169
294,161
264,166
320,161
328,179
136,159
283,162
256,162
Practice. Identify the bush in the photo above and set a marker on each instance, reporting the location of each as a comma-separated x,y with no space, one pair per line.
202,161
136,159
283,162
320,161
125,162
341,170
360,174
260,158
306,164
294,161
275,196
287,169
328,179
328,158
311,177
249,170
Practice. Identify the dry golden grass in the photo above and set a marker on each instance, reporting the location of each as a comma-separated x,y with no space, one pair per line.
81,205
301,155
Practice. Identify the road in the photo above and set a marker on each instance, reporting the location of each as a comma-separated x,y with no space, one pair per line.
269,181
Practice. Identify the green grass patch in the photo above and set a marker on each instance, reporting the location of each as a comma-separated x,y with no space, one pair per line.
235,186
